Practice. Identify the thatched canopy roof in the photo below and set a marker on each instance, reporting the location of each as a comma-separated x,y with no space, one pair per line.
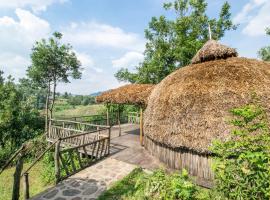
212,50
136,94
190,107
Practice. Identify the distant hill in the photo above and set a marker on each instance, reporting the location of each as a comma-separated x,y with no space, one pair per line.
95,94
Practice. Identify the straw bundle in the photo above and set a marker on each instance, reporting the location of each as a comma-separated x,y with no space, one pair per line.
212,50
129,94
189,108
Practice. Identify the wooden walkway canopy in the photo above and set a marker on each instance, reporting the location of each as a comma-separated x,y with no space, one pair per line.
131,94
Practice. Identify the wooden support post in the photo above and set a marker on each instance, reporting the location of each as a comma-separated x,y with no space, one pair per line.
108,117
109,141
26,186
57,160
17,177
141,126
118,119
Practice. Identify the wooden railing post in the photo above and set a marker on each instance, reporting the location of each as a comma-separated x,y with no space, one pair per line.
26,186
108,117
141,126
57,160
109,140
17,177
118,120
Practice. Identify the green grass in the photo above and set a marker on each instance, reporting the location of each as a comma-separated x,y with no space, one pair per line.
35,182
79,111
123,189
157,185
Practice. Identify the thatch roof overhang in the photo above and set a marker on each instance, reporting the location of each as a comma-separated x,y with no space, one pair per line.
213,50
134,94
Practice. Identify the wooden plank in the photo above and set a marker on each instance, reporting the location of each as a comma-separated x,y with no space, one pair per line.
17,177
26,186
102,147
56,161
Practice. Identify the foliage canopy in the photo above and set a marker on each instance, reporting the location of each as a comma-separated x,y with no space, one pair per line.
171,43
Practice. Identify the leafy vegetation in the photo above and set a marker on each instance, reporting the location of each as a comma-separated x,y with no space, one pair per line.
264,52
19,119
242,165
171,43
157,185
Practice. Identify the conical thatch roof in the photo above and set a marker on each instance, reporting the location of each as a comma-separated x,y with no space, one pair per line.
212,50
190,107
129,94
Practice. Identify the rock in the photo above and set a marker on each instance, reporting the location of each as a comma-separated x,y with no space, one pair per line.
91,190
51,194
71,192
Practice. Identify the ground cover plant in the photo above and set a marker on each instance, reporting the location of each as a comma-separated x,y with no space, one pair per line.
139,185
242,164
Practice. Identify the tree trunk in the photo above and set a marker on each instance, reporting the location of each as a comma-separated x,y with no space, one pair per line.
47,107
53,100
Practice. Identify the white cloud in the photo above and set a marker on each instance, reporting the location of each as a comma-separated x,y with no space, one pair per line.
13,64
35,5
102,35
87,62
20,35
255,16
130,59
17,38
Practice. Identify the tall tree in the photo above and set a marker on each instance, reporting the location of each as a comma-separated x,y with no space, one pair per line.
171,43
264,52
52,62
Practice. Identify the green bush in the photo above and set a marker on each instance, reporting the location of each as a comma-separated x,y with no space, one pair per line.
242,163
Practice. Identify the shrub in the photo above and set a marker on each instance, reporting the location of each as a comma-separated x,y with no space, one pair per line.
242,163
160,185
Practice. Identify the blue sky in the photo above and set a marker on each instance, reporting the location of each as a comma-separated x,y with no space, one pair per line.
108,34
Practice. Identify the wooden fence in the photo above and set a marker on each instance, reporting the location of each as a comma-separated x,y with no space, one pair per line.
76,146
198,165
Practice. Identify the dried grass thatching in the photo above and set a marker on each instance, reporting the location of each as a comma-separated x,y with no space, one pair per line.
129,94
190,107
212,50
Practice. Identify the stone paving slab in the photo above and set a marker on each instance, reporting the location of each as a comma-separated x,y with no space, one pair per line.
89,183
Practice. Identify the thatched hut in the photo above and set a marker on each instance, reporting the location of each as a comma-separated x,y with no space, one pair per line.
189,108
131,94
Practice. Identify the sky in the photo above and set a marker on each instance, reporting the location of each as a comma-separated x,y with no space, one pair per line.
108,34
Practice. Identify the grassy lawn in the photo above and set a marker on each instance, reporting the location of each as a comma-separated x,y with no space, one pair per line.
35,182
123,189
79,111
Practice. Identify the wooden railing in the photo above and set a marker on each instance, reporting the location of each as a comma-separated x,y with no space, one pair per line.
76,146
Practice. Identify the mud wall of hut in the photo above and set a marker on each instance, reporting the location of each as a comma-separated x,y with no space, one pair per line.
198,166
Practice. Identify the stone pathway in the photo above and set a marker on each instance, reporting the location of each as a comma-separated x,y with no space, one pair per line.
126,155
89,183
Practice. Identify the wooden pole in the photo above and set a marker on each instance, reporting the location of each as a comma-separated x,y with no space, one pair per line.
57,161
108,117
118,118
17,177
141,126
109,141
26,186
